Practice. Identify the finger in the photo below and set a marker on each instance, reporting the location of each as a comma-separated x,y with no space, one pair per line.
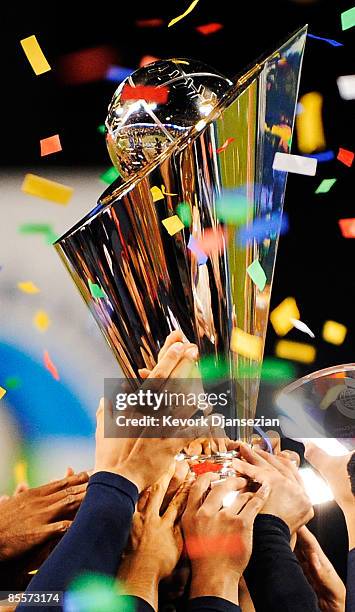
69,472
178,504
255,504
250,455
21,487
58,485
284,467
158,491
174,336
291,455
142,500
214,500
198,491
169,361
244,468
65,506
275,440
144,373
238,503
66,493
52,530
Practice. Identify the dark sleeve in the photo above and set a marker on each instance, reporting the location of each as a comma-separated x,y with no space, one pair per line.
274,577
212,604
134,604
350,583
97,537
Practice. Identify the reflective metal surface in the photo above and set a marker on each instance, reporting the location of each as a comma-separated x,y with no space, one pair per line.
151,281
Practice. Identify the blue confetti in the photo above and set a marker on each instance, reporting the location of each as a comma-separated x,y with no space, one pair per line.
264,228
117,73
324,156
332,42
193,246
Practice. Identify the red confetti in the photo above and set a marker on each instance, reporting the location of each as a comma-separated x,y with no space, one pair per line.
148,59
225,144
49,365
207,466
50,145
149,23
346,157
347,227
209,28
212,240
87,65
149,93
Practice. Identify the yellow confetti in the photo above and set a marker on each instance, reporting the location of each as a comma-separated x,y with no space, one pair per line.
28,287
35,55
176,19
166,193
20,472
334,332
173,224
33,572
49,190
297,351
246,345
309,124
281,316
41,320
156,193
2,392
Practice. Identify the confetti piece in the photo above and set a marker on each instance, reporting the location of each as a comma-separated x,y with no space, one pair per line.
257,275
232,206
173,224
184,213
33,572
118,73
225,145
86,65
275,369
28,287
149,23
209,28
48,190
109,175
13,382
281,316
20,472
194,248
176,19
309,124
149,93
330,41
2,392
212,240
347,227
302,327
346,157
95,290
41,320
246,345
266,227
34,228
325,185
296,351
348,19
324,156
49,365
346,86
334,332
101,128
156,193
295,163
165,193
35,55
50,145
148,59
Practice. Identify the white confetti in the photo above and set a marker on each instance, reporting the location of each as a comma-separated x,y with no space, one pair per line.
346,86
302,327
298,164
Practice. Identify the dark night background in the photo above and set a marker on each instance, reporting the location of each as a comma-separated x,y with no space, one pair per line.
314,263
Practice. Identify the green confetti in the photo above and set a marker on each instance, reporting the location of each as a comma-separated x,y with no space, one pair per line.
97,593
51,237
325,185
348,19
184,213
277,369
257,275
34,228
214,367
13,382
101,129
95,290
233,207
109,175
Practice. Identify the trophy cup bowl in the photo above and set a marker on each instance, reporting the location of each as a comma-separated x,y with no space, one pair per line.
209,148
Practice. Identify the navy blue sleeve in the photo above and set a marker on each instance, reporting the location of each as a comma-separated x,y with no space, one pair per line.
274,577
212,604
350,583
97,537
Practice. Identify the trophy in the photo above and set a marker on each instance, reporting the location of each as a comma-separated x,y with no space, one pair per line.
195,154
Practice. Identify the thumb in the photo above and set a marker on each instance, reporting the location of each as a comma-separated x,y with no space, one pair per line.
256,503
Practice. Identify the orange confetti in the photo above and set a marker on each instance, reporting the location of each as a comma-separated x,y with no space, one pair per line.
346,157
225,144
209,28
149,93
149,23
49,365
347,227
148,59
50,145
